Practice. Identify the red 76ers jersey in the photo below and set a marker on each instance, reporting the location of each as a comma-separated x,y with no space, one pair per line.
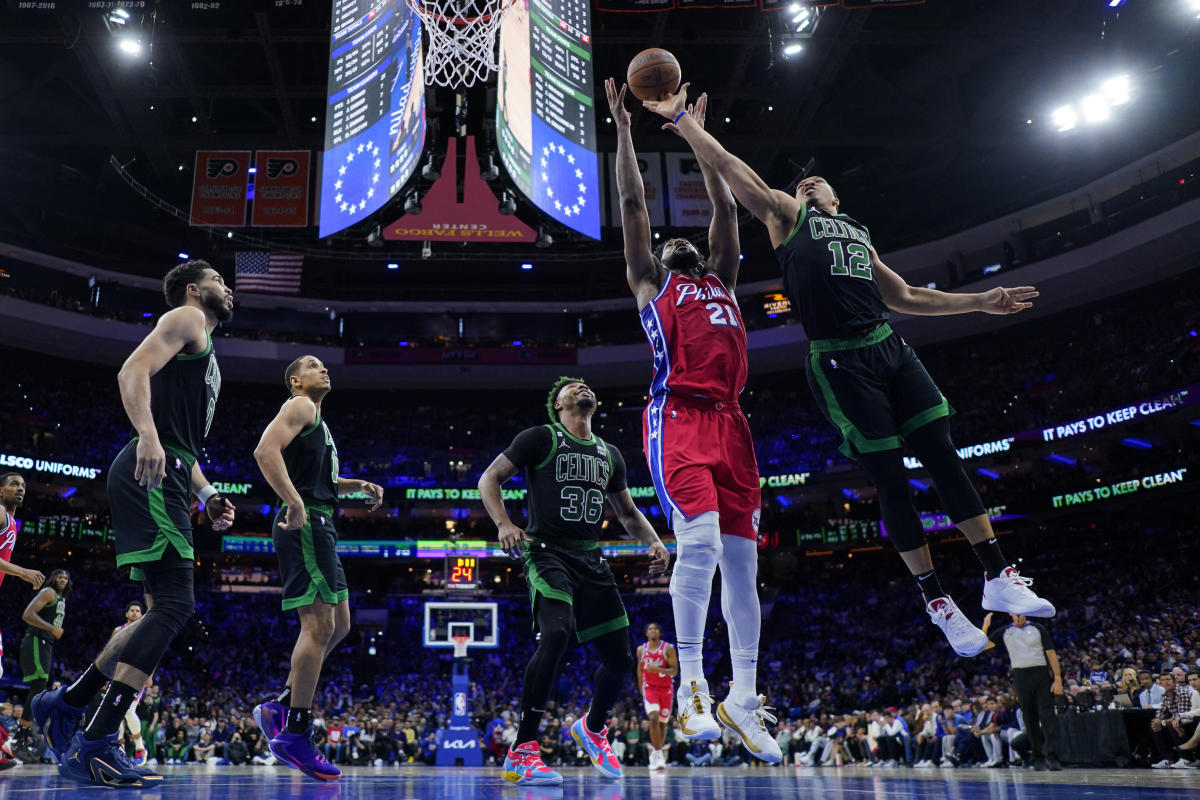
8,540
695,329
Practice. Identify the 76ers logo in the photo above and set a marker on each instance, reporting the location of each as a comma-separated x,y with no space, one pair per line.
8,539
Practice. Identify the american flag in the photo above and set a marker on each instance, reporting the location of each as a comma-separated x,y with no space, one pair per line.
272,273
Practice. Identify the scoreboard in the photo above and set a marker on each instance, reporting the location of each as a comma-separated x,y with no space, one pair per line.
462,572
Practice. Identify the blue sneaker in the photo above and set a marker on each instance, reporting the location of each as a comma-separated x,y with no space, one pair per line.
104,763
598,749
269,717
56,720
297,750
524,767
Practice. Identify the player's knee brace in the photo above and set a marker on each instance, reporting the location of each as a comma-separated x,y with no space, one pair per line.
554,620
174,603
614,651
935,448
886,470
699,551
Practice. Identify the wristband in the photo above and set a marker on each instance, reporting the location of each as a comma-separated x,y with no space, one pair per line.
206,493
676,120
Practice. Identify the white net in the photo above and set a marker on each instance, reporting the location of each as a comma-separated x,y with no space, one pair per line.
462,39
460,646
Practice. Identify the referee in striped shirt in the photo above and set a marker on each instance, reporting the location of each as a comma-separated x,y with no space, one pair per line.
1036,676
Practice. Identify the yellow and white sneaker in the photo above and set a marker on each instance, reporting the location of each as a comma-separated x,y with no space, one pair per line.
695,712
748,719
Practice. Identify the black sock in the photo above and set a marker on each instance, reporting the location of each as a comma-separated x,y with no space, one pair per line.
299,720
531,721
81,692
285,697
595,719
930,586
990,556
107,719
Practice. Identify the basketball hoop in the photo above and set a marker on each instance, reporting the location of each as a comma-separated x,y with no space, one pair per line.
462,38
460,645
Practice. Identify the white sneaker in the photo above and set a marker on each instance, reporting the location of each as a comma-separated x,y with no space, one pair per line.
748,720
1164,764
1182,763
695,712
964,637
1010,592
662,759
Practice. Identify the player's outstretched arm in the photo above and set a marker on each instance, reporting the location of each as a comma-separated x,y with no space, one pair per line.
724,246
635,523
177,329
31,576
899,296
641,268
296,414
775,209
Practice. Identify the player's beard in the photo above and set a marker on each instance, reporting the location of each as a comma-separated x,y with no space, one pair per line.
215,302
586,403
686,262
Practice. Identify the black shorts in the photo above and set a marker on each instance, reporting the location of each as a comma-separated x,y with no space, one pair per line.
873,389
146,523
580,578
309,566
36,654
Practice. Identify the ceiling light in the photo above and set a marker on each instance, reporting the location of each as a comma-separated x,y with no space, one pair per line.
393,265
1065,118
508,205
130,47
527,266
1095,108
183,255
118,16
1116,90
792,49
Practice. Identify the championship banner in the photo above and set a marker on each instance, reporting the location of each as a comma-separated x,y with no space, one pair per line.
219,188
686,194
626,6
686,4
281,179
650,165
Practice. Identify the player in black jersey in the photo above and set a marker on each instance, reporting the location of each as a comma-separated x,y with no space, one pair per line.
570,471
298,458
169,387
868,381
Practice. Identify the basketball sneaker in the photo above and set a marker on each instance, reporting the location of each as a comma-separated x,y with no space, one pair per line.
56,719
524,767
695,712
103,763
139,757
966,639
1010,592
597,748
297,750
269,717
748,719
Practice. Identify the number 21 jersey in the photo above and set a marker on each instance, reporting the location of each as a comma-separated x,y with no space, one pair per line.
695,330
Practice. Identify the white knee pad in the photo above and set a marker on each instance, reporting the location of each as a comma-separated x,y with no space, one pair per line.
699,546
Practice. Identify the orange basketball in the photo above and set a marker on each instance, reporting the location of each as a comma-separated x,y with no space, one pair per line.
653,74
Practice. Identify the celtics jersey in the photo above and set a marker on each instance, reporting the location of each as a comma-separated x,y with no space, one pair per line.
52,614
183,397
828,276
568,480
312,463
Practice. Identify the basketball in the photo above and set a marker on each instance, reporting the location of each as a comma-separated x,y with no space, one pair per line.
653,74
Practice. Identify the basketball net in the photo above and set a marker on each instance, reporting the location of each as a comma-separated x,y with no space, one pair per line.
460,645
462,39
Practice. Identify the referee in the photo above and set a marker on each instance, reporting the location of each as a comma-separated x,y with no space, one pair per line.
1031,650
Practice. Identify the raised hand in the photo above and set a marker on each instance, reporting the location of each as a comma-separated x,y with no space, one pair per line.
616,102
1008,301
670,106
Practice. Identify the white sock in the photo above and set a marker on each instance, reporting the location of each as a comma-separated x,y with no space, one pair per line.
743,615
699,550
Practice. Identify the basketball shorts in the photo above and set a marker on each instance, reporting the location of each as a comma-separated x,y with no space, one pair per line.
36,653
580,578
309,565
658,700
701,458
147,523
873,389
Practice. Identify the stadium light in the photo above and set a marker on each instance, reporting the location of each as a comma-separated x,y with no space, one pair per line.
1095,108
792,49
130,47
393,265
1116,90
182,255
527,266
1065,118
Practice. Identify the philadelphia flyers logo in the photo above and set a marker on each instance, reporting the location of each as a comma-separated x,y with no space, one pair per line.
221,167
282,166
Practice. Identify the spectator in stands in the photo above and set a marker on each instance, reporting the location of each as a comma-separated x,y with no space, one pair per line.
891,739
1151,694
1166,729
1126,690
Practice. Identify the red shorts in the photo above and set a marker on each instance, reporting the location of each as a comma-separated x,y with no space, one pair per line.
702,459
658,700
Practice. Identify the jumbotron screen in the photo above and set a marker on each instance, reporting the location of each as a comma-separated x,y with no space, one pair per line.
375,119
545,109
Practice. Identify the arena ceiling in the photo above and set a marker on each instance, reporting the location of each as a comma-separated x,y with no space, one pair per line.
927,119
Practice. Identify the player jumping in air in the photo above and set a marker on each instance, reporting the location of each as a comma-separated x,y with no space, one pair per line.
570,472
867,381
697,440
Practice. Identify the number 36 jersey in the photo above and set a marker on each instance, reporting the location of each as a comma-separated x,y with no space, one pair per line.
695,330
829,276
569,479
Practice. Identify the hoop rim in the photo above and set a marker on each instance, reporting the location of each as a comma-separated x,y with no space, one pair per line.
425,14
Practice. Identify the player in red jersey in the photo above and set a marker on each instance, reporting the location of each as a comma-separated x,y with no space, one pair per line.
697,439
656,666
